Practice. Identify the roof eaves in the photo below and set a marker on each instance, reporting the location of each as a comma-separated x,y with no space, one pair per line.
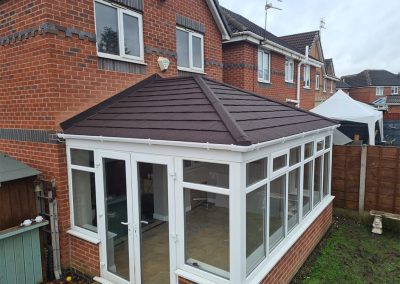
237,133
93,110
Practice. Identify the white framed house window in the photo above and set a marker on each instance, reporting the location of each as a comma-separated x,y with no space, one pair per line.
306,73
317,82
264,64
289,70
331,87
119,32
324,86
190,50
379,91
82,192
395,90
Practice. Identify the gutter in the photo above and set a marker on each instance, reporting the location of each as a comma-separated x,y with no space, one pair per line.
208,146
305,61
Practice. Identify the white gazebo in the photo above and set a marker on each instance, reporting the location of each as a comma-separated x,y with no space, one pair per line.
188,177
342,107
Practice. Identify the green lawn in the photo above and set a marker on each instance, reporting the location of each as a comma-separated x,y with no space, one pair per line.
352,254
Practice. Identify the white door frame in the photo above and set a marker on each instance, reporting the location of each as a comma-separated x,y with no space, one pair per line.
169,162
101,203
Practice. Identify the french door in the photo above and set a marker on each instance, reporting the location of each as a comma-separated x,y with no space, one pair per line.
136,214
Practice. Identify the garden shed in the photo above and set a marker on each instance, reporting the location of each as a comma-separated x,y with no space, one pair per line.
192,178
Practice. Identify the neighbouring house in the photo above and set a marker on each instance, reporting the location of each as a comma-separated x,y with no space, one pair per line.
376,87
129,159
324,76
258,61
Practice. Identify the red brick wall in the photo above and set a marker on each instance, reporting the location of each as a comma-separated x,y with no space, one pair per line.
292,261
367,94
393,113
48,78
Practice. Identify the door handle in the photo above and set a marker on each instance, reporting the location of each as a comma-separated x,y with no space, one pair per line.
144,222
125,223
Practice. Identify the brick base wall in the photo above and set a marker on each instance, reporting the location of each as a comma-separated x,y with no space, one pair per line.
288,266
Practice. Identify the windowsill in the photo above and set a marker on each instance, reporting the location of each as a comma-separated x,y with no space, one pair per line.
191,70
119,58
289,82
82,236
264,82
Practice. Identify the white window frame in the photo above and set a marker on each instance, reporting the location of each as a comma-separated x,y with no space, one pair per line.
331,87
75,230
264,52
317,82
324,85
394,90
122,56
289,70
306,77
378,91
191,68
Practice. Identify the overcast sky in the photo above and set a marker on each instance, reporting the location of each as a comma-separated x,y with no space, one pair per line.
360,34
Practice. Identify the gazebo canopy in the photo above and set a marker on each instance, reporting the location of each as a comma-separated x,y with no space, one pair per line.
342,107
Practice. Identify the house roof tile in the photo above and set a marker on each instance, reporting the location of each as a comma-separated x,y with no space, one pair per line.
193,109
301,40
372,78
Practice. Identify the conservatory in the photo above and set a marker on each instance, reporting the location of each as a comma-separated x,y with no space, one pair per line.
194,179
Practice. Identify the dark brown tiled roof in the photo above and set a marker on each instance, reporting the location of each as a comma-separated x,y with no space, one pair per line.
329,69
300,41
193,109
238,23
393,100
373,78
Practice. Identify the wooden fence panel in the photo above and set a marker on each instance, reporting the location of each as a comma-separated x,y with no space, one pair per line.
382,181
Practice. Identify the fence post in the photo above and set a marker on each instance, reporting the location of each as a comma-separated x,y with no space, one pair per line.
363,170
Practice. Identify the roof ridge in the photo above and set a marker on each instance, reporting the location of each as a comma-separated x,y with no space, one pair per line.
230,123
107,102
315,31
272,100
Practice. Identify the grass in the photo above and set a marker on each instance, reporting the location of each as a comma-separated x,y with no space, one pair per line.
352,254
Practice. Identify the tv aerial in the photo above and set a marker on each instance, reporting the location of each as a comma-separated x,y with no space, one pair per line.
269,6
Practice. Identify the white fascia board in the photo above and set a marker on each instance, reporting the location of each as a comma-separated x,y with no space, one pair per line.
218,20
332,78
225,147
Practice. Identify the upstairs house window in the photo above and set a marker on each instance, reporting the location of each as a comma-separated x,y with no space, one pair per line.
379,91
317,82
307,82
119,33
289,70
395,91
324,86
190,50
264,66
331,87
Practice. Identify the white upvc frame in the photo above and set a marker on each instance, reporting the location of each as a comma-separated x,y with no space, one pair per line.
192,68
394,90
264,52
317,81
331,86
122,56
101,212
379,91
306,77
75,230
324,85
289,70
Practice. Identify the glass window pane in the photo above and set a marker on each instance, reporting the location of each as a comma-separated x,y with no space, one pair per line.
84,198
320,145
82,158
131,35
207,231
277,211
206,173
280,162
327,173
295,155
266,66
317,180
256,171
197,51
327,142
182,48
308,150
255,227
293,198
260,64
307,187
107,29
